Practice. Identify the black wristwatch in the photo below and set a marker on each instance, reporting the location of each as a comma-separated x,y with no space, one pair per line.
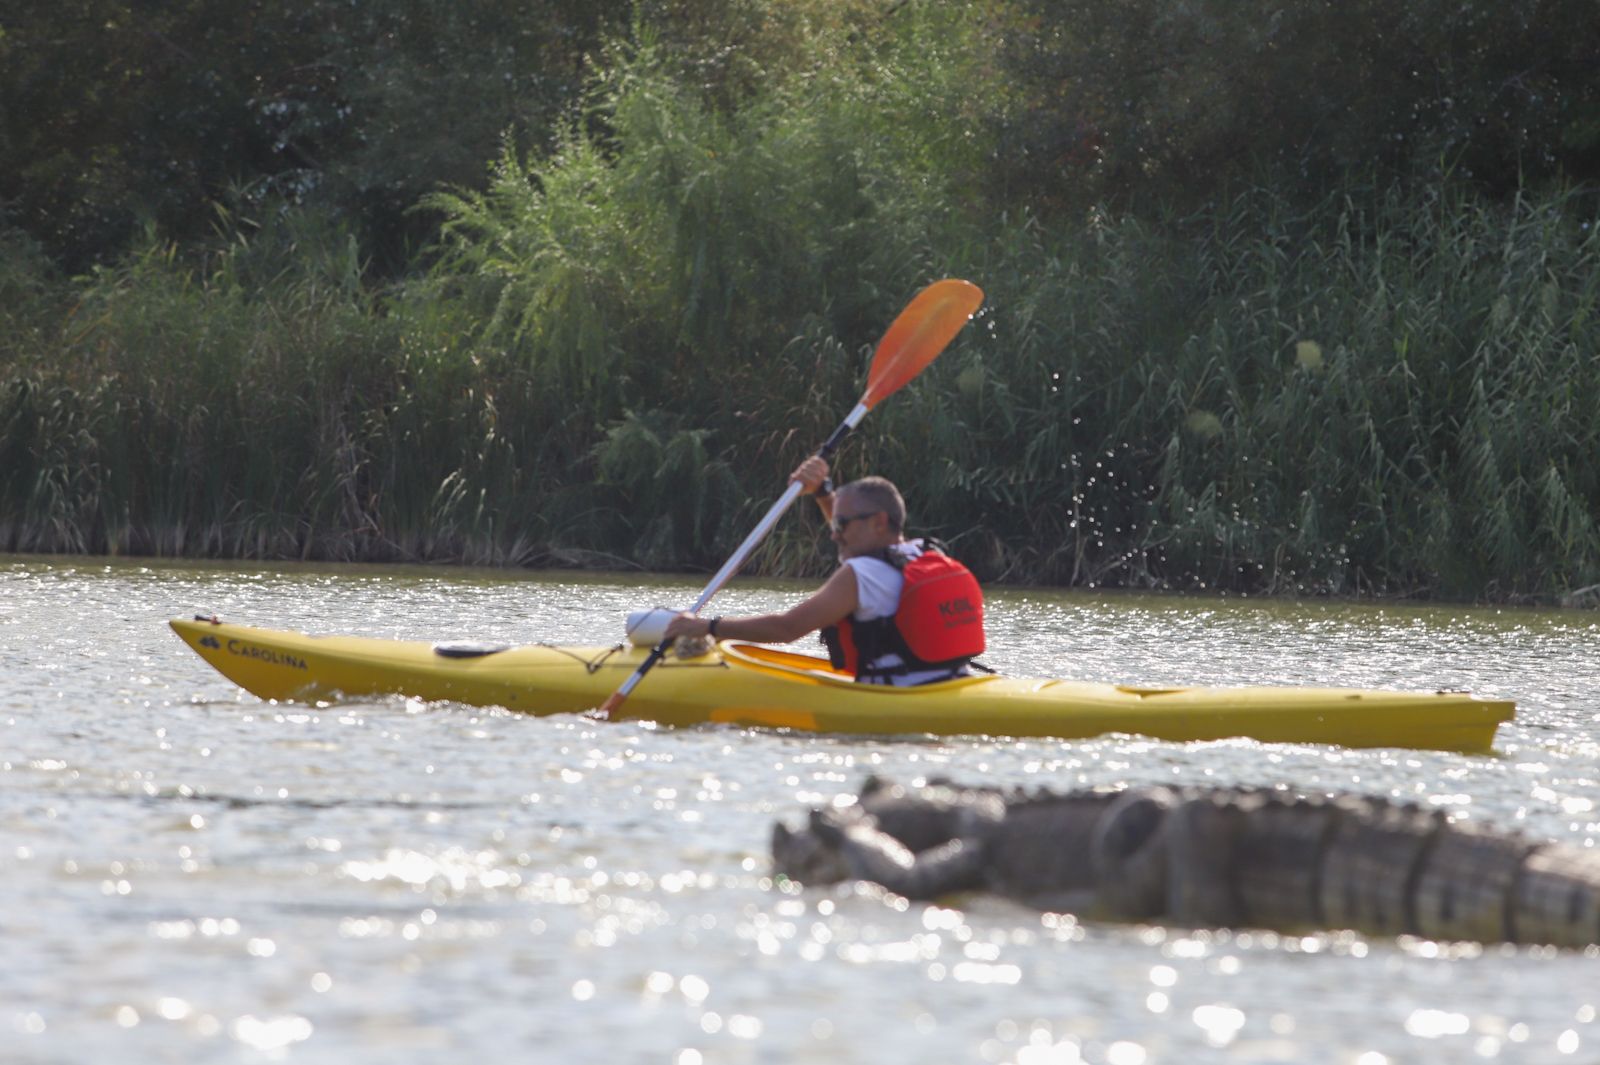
711,626
825,489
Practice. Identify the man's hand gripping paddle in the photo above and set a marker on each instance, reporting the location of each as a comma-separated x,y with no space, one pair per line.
929,322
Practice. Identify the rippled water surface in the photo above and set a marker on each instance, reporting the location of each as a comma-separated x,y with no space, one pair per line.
193,875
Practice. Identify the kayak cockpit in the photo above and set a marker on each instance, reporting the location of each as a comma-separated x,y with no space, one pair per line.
468,649
793,665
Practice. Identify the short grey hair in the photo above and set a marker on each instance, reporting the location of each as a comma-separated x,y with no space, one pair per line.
880,494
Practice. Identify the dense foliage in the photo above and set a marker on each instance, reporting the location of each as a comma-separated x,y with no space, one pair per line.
1278,299
117,115
1180,99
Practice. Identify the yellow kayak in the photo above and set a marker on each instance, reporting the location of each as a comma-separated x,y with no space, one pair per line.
748,684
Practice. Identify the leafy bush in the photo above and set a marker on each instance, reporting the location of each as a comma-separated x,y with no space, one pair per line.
1159,101
672,255
120,114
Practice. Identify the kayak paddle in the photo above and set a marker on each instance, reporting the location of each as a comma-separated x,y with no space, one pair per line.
929,322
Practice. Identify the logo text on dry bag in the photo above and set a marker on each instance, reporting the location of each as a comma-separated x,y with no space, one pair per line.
958,611
265,654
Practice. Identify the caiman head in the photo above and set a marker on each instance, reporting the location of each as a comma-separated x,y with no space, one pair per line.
810,855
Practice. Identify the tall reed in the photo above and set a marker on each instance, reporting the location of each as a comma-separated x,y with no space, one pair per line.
1374,394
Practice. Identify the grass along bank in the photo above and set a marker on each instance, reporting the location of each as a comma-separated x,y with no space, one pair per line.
1383,394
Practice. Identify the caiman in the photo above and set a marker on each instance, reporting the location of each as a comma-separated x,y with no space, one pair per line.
1207,857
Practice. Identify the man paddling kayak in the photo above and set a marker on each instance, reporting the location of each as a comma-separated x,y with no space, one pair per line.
896,611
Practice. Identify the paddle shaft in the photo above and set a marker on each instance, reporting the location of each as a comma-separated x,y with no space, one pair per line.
739,556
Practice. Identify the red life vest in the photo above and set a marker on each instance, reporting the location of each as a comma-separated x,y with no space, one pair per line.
938,623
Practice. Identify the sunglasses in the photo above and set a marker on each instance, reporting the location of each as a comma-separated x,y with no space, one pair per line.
841,524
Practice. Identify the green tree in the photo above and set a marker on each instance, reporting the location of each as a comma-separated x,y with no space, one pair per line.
1180,100
114,115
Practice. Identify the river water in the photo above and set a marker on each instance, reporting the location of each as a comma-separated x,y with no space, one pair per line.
193,875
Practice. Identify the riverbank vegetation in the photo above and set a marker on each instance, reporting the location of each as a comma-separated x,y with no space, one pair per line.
1277,301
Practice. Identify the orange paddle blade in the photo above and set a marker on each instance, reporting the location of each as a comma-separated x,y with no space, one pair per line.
929,322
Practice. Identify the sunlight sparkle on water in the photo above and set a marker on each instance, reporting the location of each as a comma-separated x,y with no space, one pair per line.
1124,1052
1434,1024
971,972
1220,1023
1041,1051
270,1034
